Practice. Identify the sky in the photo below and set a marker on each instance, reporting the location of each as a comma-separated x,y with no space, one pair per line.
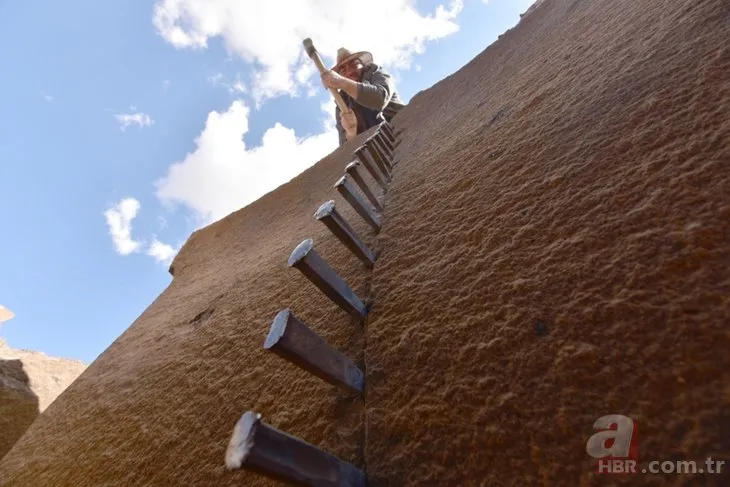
127,125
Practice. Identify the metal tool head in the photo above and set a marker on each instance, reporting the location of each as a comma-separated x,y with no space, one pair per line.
309,47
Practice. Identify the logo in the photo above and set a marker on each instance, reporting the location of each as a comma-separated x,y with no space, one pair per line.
614,444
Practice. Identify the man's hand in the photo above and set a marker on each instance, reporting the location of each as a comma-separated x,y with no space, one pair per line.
331,79
349,123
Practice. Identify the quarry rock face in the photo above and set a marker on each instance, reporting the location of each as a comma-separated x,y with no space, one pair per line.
532,8
554,249
29,383
18,403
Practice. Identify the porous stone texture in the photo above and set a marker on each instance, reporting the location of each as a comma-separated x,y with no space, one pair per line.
18,403
159,405
576,173
29,382
555,248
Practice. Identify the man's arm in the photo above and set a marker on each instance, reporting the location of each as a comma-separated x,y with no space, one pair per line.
374,94
377,93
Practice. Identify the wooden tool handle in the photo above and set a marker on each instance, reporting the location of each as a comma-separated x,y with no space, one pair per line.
312,53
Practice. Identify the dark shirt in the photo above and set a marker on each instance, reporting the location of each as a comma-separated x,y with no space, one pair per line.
376,94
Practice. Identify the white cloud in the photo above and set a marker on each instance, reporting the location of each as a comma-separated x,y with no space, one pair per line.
235,88
238,87
165,85
161,252
222,174
269,33
328,107
215,78
48,98
162,221
119,219
139,118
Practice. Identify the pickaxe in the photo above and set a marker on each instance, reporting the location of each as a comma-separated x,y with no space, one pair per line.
312,52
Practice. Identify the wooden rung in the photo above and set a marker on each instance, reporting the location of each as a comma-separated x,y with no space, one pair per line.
308,262
351,170
382,136
368,163
386,153
260,448
291,339
386,140
367,213
379,158
377,140
328,214
388,130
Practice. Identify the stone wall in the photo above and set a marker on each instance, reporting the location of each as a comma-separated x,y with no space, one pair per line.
29,383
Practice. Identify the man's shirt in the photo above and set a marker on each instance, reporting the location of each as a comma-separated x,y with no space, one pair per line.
375,95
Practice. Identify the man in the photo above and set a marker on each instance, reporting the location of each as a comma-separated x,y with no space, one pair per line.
366,88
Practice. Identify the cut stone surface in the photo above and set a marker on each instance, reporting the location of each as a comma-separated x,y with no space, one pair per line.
574,173
29,383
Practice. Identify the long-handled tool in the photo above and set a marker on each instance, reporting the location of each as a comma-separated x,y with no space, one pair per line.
312,52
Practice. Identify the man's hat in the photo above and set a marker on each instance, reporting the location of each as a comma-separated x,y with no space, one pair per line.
344,56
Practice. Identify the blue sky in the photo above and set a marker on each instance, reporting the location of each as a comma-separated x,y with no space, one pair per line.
147,104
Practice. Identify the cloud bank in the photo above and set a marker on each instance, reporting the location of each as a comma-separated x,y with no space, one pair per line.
268,34
222,174
119,221
139,118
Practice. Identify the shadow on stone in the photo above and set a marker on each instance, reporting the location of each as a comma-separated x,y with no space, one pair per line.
19,405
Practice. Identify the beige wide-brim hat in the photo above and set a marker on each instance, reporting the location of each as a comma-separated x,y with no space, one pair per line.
344,56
